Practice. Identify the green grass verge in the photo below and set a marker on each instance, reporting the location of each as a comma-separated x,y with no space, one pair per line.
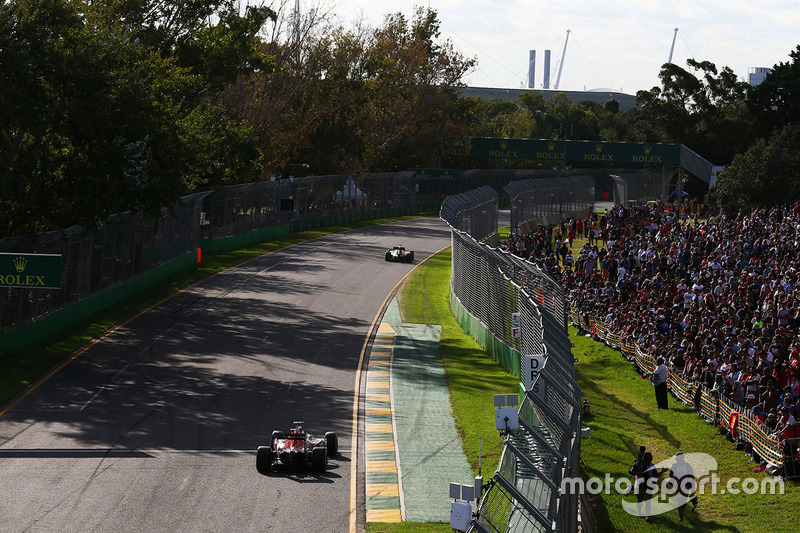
624,417
24,367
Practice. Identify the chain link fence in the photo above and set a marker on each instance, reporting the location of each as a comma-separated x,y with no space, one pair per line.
125,246
638,187
527,493
474,212
546,200
489,289
546,291
238,209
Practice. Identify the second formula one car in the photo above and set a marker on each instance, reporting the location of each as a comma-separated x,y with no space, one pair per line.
297,448
399,254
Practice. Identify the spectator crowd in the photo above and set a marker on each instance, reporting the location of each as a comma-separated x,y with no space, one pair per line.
718,297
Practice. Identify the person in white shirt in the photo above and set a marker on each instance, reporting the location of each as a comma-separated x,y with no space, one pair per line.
683,474
659,379
688,299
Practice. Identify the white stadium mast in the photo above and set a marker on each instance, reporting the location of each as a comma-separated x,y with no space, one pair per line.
669,61
561,66
672,48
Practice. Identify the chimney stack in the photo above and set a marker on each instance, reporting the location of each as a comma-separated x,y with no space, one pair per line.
546,84
532,70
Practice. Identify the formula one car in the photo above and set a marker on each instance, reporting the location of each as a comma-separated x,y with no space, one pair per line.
297,448
399,254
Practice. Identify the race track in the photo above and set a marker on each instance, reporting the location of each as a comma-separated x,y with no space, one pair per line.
155,427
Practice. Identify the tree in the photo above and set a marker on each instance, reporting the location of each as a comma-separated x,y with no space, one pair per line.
350,100
776,101
93,121
763,176
412,81
705,113
225,149
315,84
215,40
494,117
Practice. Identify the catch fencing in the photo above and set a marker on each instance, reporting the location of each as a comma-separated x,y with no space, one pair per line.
126,246
513,308
237,209
547,200
710,406
473,212
638,187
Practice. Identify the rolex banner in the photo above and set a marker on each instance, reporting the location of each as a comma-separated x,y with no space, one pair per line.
572,151
30,271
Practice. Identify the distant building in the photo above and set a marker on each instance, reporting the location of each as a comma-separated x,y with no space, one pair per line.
756,75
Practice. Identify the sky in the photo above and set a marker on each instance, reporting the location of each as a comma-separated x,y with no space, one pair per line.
613,44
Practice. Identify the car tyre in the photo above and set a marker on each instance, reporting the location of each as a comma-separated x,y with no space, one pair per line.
410,257
388,256
331,443
272,440
319,459
264,459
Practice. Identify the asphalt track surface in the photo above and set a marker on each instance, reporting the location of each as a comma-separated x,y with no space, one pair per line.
154,428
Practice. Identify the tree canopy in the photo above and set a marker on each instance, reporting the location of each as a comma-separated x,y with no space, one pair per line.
776,100
350,100
764,175
705,111
100,113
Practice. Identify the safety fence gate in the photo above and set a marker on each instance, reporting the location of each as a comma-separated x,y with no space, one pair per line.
514,309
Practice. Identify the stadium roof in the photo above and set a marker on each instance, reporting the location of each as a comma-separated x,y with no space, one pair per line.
601,96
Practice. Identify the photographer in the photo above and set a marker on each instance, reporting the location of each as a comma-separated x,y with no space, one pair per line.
645,484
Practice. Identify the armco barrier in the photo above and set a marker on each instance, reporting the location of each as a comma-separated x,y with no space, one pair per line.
712,408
